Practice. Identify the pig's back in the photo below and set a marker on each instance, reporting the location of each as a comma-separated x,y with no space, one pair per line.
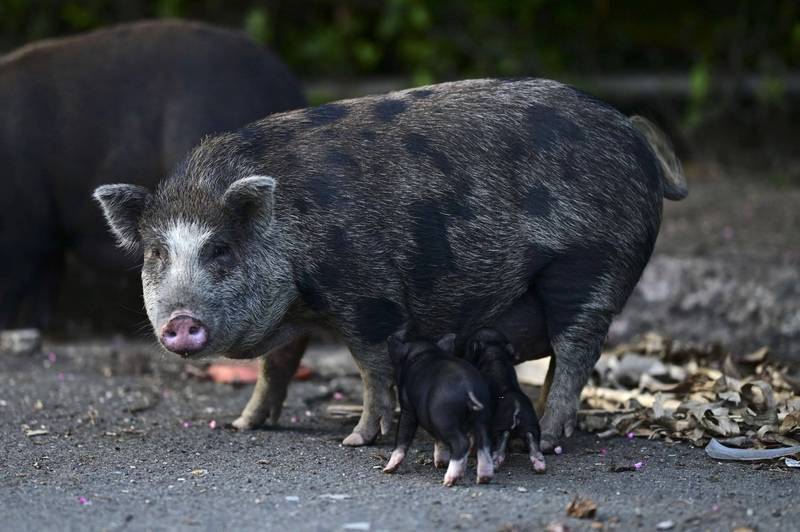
126,104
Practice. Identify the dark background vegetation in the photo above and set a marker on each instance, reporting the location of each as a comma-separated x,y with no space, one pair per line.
721,76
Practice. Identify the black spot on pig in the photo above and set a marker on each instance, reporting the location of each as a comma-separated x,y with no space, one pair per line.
310,292
326,114
538,200
420,146
432,256
386,110
342,164
301,205
548,128
323,191
421,94
457,205
377,318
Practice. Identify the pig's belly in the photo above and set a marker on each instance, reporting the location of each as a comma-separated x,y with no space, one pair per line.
525,326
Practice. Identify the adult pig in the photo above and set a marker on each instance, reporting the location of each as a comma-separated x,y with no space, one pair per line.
122,103
444,206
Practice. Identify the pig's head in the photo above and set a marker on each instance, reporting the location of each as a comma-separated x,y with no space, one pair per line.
215,275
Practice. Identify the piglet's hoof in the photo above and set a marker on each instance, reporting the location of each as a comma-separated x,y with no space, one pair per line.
538,464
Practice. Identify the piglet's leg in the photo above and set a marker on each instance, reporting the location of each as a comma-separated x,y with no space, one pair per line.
459,448
441,455
500,449
406,427
484,452
537,458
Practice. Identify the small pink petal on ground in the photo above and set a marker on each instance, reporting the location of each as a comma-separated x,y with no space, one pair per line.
294,419
83,501
212,424
61,377
630,435
558,450
603,451
51,357
638,466
338,396
186,424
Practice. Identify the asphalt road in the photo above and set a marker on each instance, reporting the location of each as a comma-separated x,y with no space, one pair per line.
129,446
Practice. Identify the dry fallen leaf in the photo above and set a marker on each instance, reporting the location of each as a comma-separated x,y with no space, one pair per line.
582,508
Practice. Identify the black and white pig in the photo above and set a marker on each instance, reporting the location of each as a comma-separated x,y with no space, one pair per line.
448,204
127,102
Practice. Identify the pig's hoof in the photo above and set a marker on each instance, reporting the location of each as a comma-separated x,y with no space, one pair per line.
439,464
355,440
498,460
449,482
558,422
538,464
243,423
484,479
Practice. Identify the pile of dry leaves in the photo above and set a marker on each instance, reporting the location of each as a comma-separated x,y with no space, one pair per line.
662,389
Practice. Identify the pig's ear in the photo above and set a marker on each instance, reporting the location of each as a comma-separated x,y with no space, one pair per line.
252,198
447,343
123,206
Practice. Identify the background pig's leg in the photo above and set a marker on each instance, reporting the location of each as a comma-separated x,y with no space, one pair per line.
378,412
541,401
276,370
441,454
406,427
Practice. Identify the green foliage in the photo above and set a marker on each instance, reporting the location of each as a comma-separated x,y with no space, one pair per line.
433,40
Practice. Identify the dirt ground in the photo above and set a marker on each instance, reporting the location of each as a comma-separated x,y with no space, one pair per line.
125,437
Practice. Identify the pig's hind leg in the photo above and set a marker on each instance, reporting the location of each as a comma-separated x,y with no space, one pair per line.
406,427
276,370
458,443
536,456
579,300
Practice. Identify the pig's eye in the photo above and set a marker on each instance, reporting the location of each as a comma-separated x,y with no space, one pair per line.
220,252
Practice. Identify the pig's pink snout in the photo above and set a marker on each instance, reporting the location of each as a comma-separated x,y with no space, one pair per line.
184,335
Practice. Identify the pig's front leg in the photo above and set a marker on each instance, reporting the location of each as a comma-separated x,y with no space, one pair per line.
276,370
378,411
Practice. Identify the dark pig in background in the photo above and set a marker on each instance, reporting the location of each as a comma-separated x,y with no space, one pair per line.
125,103
455,206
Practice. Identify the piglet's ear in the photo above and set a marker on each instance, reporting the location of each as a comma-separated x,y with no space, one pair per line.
252,198
123,206
447,343
396,347
472,350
